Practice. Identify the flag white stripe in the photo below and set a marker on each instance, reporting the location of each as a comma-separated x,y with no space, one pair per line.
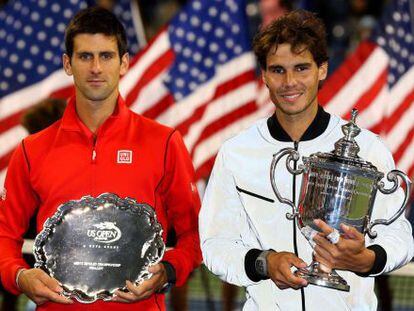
359,83
209,147
185,108
138,24
30,95
219,108
406,161
375,112
153,92
400,130
2,178
11,138
157,49
400,91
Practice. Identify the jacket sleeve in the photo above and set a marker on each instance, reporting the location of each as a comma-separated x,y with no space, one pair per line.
225,233
182,203
16,210
396,239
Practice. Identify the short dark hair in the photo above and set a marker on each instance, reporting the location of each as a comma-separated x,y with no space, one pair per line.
301,29
95,20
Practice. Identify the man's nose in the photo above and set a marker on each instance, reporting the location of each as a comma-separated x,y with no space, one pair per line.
290,78
96,65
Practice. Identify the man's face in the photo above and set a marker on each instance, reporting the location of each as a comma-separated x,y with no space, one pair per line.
292,80
95,66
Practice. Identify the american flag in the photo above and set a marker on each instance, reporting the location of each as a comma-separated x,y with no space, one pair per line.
31,47
198,75
378,79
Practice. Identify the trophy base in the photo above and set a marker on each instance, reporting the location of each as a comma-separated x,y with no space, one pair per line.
314,275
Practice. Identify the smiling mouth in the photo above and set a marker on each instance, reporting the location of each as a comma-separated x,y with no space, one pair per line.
291,97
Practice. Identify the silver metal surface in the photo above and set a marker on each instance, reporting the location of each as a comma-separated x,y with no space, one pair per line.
339,188
93,245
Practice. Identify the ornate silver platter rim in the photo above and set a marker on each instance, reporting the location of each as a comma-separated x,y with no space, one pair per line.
127,204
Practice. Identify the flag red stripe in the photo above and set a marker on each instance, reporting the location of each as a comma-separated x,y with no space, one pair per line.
401,149
377,128
398,113
410,171
224,121
369,96
143,51
160,64
204,170
344,73
162,105
10,122
223,89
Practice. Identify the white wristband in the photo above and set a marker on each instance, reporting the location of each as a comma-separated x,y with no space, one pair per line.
17,276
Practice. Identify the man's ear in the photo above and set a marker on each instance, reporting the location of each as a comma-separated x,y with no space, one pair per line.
264,77
124,64
66,64
323,71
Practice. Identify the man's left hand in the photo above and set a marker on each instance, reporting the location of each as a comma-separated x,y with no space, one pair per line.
146,288
349,253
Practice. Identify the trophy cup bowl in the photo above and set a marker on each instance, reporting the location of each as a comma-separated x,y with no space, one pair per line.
337,187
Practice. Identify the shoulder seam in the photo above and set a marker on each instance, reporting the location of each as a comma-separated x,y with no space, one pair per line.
165,158
25,155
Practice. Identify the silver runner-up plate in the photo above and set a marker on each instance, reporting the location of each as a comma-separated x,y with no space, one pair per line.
93,245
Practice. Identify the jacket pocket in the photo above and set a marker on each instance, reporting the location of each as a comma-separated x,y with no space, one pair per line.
258,196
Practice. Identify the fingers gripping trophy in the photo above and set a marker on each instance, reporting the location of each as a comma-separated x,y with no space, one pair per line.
337,187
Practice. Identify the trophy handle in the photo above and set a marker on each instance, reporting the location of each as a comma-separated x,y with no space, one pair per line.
391,176
293,155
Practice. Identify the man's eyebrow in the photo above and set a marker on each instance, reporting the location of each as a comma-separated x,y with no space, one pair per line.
100,53
273,66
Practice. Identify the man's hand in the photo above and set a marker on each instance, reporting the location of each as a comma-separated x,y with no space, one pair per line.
349,253
146,288
279,270
40,287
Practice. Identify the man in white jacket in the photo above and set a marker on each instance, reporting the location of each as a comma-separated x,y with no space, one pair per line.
246,238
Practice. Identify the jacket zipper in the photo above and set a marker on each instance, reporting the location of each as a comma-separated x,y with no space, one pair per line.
93,168
94,150
295,242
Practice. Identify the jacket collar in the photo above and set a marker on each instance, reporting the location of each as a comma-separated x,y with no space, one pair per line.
316,128
71,121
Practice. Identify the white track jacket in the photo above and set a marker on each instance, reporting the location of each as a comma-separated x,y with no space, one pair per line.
241,212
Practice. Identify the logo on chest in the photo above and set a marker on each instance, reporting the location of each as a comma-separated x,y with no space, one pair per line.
124,157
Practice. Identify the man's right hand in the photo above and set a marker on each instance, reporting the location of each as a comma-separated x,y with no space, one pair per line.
279,269
40,287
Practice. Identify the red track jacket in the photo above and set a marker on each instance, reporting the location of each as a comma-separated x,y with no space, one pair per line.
66,162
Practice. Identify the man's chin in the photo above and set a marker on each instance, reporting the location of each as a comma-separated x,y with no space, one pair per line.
292,109
93,96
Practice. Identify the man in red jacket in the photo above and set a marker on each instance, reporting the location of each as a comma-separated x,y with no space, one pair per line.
99,146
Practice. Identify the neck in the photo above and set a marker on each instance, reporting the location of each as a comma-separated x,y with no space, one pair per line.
94,113
296,125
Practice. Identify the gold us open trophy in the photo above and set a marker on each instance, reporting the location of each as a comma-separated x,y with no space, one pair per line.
337,187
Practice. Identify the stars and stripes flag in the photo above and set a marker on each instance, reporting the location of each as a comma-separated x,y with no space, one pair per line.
378,80
198,75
